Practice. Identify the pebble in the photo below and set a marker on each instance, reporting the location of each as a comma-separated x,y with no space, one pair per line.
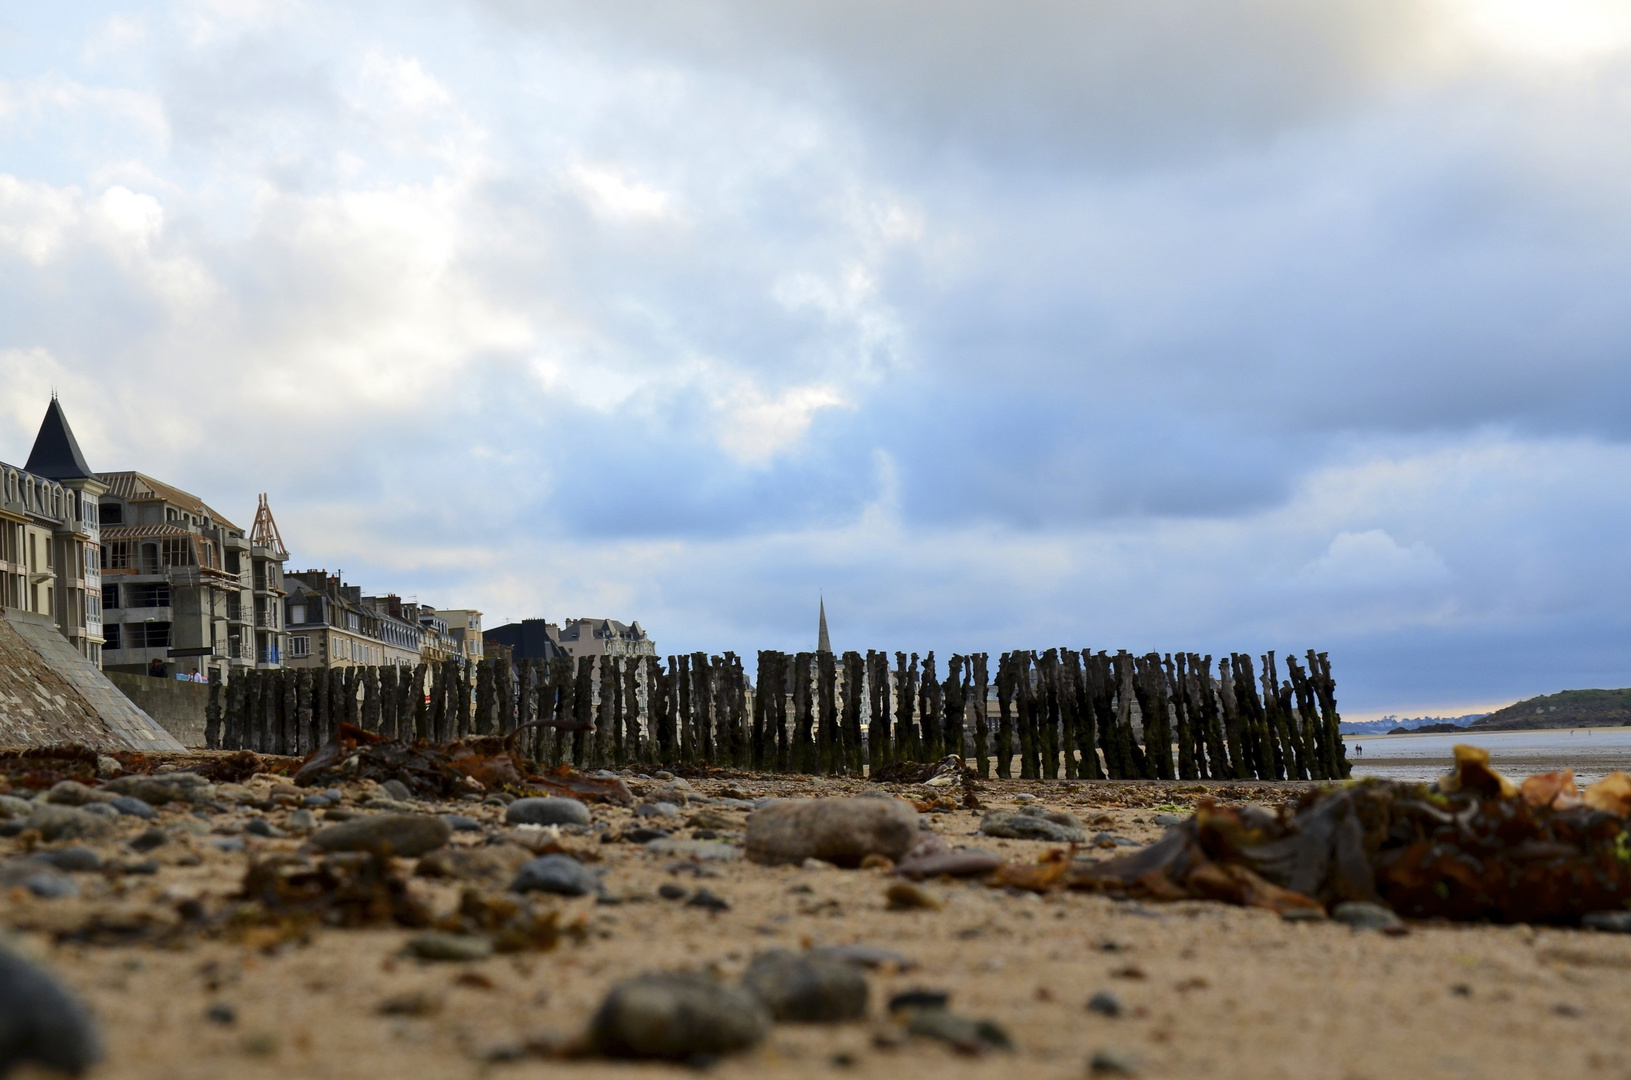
131,806
66,823
1609,922
550,811
221,1013
395,788
919,999
1112,1063
657,809
968,1036
931,856
559,874
1034,823
838,831
301,821
50,885
1104,1003
149,840
906,896
668,890
644,835
100,809
11,806
261,827
229,844
703,850
74,860
163,788
41,1022
703,898
707,819
1362,915
70,793
460,823
435,945
1169,819
805,988
406,835
316,802
677,1017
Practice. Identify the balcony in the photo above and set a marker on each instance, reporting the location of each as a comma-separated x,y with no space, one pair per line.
266,619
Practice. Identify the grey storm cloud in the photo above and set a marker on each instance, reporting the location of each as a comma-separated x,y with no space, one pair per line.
1236,325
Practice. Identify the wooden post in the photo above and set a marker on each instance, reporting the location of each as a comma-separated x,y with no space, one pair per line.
803,755
908,739
1319,669
952,701
827,713
1178,702
1007,683
981,694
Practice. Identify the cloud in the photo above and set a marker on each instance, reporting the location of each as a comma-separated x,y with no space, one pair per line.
1264,324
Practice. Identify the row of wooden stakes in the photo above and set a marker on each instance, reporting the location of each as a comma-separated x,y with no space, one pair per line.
1056,714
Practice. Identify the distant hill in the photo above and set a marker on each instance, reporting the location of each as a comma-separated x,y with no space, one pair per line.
1571,708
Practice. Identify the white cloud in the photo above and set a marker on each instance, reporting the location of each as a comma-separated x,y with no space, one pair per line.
609,193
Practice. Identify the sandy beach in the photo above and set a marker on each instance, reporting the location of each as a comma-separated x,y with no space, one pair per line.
1204,989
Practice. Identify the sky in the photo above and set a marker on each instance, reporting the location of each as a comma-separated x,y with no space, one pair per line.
1224,326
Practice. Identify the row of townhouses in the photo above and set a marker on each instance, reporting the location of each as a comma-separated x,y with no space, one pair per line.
146,578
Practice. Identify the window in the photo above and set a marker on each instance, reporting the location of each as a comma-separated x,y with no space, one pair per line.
299,645
150,558
92,561
116,555
112,513
110,596
178,552
152,635
235,609
110,636
93,606
233,565
297,613
140,596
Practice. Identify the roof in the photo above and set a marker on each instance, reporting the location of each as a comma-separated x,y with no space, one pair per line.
139,487
56,454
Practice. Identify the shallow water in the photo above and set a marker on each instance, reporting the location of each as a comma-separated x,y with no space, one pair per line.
1590,752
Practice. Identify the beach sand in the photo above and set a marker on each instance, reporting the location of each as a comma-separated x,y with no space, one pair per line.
1207,990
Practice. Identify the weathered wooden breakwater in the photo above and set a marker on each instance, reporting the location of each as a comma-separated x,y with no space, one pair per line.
1059,714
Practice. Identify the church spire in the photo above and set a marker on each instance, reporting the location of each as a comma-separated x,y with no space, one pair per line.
823,642
56,454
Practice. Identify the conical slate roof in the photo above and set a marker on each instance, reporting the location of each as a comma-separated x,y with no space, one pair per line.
823,642
56,454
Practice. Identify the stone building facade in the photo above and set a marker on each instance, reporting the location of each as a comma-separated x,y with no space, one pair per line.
535,638
49,560
184,589
332,624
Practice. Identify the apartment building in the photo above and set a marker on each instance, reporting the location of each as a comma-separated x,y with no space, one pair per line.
537,639
331,624
184,589
49,560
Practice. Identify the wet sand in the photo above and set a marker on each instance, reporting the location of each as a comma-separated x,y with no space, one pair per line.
1590,752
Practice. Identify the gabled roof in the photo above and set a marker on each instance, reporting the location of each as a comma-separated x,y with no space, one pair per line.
139,487
56,454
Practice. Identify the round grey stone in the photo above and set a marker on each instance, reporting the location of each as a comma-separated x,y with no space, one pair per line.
407,835
806,989
131,806
559,874
66,822
676,1017
1034,824
838,831
1362,915
550,811
41,1022
435,945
